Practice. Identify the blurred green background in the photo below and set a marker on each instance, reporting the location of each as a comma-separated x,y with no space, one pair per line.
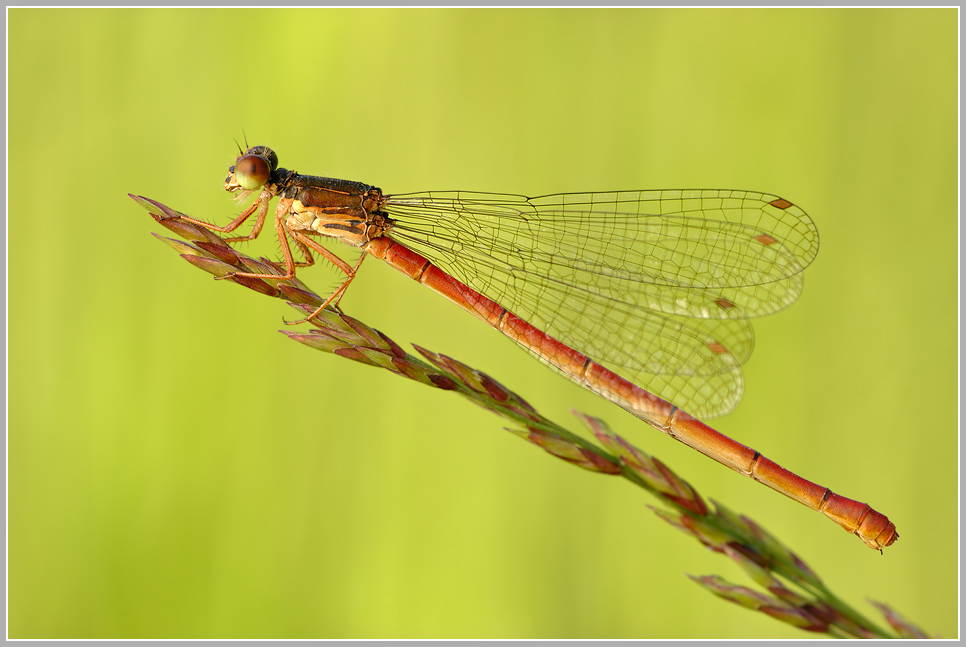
177,468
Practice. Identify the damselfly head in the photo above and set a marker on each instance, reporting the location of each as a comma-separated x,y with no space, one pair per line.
252,170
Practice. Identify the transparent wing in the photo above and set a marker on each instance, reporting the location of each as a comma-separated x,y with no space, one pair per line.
655,285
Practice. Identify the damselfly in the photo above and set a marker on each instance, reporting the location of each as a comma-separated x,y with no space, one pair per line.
610,289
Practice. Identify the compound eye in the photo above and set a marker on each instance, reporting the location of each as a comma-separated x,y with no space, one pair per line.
252,171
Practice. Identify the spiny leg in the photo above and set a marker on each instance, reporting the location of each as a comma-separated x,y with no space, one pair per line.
304,241
333,300
261,204
259,221
280,230
344,287
306,254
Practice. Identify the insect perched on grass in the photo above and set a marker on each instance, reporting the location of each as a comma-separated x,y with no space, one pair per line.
612,288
